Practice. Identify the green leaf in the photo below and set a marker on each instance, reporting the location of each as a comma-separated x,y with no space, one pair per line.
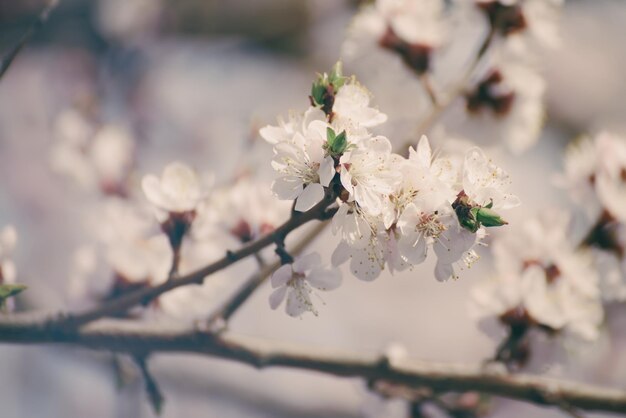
336,77
10,290
336,144
489,218
330,136
340,144
317,92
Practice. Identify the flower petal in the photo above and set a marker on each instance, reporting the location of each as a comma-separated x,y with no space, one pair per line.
277,297
307,262
324,279
282,275
310,196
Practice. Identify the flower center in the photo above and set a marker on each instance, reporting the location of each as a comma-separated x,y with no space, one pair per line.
430,225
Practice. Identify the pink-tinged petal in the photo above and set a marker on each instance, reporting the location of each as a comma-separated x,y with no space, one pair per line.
443,271
307,262
324,279
277,297
287,187
282,275
327,171
298,302
341,254
310,196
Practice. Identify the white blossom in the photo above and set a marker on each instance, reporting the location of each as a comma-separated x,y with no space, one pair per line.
352,113
484,182
296,282
538,270
303,168
246,210
178,190
366,175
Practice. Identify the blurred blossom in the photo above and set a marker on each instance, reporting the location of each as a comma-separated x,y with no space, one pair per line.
542,279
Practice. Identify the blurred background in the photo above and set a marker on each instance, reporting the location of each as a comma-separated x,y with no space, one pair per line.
194,80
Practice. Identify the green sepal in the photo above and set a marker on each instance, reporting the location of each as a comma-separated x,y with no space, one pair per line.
10,290
336,144
489,218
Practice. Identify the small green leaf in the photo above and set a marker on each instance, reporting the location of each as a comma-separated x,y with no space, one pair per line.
489,218
10,290
336,77
317,92
330,136
340,144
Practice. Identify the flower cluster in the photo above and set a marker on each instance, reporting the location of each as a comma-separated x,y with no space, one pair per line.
595,176
390,209
426,40
542,281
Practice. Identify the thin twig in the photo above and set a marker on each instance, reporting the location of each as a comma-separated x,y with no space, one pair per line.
142,338
7,59
254,282
152,387
146,295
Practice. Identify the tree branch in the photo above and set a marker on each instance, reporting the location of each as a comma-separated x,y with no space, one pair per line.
142,339
7,60
246,290
146,295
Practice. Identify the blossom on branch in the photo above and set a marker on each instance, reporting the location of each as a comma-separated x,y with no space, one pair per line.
296,282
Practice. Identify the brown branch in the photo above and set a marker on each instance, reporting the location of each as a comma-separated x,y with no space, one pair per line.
7,60
231,306
142,339
146,295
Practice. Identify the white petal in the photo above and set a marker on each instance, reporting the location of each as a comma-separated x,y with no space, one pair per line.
282,275
443,271
340,218
325,279
310,196
273,134
327,171
423,154
307,262
346,179
152,189
341,254
277,297
414,251
297,303
366,264
287,187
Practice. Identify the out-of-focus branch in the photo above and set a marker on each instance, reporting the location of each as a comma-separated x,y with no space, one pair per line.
146,295
142,339
7,59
